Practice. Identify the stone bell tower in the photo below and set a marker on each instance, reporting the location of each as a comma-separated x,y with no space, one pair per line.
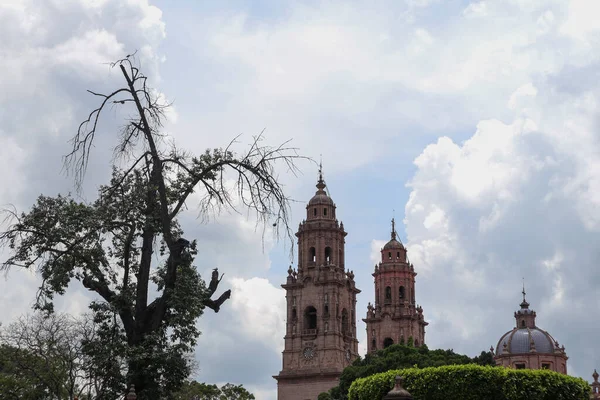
395,318
320,337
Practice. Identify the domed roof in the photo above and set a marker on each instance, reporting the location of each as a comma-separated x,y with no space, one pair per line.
526,337
393,243
321,196
520,341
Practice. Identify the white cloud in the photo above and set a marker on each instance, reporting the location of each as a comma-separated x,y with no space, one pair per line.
477,9
261,308
581,23
514,198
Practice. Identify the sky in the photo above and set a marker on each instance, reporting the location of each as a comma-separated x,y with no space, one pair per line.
474,124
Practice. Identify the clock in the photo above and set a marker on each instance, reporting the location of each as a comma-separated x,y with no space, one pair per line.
348,355
308,353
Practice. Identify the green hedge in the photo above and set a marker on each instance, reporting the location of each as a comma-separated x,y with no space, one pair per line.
473,382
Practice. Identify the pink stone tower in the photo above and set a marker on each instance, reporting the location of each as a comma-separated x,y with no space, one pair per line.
395,317
320,338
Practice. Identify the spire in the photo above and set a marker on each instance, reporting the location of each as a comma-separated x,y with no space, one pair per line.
321,182
524,304
393,229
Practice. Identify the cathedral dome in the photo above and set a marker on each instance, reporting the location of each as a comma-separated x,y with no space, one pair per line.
528,347
393,244
526,340
321,196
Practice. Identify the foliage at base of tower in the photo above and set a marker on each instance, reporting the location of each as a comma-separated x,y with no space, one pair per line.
400,356
473,382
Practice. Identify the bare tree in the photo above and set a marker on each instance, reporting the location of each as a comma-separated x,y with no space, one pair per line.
109,245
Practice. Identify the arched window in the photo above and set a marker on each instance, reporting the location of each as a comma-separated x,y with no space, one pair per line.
315,211
294,314
388,295
389,255
325,211
522,323
374,344
397,255
344,321
313,254
327,255
401,292
387,342
310,318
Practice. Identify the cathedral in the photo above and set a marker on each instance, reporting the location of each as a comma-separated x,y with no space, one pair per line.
320,337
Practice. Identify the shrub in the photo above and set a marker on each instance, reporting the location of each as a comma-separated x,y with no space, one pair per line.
473,382
324,396
400,356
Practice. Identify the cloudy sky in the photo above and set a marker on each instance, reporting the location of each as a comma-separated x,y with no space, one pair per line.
474,123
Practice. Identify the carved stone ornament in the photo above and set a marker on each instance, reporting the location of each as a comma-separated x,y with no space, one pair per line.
308,353
398,392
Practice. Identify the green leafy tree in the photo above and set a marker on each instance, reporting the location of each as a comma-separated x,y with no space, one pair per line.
400,356
128,247
17,383
235,392
485,358
52,352
201,391
324,396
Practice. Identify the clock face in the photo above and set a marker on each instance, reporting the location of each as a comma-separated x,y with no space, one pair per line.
308,353
348,355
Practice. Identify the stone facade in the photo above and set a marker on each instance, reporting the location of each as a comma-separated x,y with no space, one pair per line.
320,339
395,317
528,347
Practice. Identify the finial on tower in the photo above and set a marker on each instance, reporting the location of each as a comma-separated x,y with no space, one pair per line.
321,183
524,304
393,229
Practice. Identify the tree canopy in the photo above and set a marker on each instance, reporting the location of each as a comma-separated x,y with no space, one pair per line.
128,247
193,390
46,357
400,356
